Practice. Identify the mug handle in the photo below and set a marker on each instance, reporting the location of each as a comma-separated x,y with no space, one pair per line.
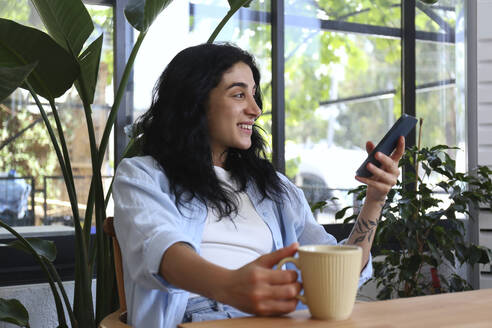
295,261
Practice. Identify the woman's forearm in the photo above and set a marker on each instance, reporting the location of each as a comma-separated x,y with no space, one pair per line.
182,267
365,228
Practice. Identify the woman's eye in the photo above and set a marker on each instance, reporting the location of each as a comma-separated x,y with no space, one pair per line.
239,95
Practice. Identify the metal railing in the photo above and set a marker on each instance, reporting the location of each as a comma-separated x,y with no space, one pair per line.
48,188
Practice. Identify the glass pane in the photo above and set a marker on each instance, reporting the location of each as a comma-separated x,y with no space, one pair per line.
440,17
440,84
193,22
342,89
32,191
331,12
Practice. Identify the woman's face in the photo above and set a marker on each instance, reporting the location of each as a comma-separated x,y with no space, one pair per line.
232,111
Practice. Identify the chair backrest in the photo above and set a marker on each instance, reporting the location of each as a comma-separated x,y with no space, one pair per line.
118,265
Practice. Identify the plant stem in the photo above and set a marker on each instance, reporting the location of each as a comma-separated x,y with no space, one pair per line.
80,248
69,178
110,122
224,20
57,279
99,201
420,244
219,27
119,95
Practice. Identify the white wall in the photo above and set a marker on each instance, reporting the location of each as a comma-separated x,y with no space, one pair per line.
484,118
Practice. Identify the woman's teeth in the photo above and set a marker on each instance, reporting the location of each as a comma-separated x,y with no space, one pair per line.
245,126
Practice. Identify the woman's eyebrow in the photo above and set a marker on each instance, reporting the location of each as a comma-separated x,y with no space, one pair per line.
237,84
240,84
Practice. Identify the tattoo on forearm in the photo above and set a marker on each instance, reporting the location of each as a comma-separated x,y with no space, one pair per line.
364,228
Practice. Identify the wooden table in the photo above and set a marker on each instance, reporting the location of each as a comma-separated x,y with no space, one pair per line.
465,309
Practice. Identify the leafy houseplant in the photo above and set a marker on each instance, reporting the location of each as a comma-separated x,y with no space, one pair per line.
47,65
412,236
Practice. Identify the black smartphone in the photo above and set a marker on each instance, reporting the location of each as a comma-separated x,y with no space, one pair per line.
401,128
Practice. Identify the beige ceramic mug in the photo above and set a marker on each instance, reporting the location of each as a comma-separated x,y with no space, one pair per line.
330,278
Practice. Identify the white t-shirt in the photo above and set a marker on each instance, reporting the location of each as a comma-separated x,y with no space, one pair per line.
234,243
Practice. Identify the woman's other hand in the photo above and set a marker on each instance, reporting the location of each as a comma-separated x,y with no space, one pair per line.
384,177
257,288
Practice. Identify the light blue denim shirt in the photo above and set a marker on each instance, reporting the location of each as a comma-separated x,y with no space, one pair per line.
147,222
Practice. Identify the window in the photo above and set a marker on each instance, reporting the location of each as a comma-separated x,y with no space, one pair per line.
33,196
342,70
32,190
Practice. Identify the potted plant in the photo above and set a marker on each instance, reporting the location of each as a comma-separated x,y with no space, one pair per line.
47,65
421,233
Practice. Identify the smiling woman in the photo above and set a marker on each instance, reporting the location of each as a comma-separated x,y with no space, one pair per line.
205,199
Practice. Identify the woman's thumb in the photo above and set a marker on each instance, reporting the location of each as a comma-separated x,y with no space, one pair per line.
269,260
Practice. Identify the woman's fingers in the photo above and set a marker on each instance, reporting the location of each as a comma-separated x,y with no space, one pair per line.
387,164
286,291
369,146
276,307
381,176
277,299
400,149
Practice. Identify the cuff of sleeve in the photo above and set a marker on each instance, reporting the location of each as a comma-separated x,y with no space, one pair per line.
366,273
155,249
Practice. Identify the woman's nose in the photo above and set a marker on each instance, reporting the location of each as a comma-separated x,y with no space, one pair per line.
253,108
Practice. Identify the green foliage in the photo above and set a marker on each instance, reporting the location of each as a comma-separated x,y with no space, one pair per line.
12,311
89,68
412,234
12,77
142,13
30,154
56,70
68,22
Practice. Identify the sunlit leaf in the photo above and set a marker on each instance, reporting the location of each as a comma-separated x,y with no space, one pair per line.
318,206
340,214
142,13
12,77
67,21
56,69
89,68
12,311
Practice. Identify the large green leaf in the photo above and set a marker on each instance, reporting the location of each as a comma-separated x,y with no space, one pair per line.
67,21
142,13
56,69
44,248
12,311
89,68
236,4
12,77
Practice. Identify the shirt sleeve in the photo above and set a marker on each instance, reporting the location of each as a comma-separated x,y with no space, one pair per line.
147,221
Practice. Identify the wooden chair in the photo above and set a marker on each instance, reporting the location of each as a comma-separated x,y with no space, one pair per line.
116,319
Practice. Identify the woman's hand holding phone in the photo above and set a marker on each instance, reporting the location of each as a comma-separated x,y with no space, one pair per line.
384,177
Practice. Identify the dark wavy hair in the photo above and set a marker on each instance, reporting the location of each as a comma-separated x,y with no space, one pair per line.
174,131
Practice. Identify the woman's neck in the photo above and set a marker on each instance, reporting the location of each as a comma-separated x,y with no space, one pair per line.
219,158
